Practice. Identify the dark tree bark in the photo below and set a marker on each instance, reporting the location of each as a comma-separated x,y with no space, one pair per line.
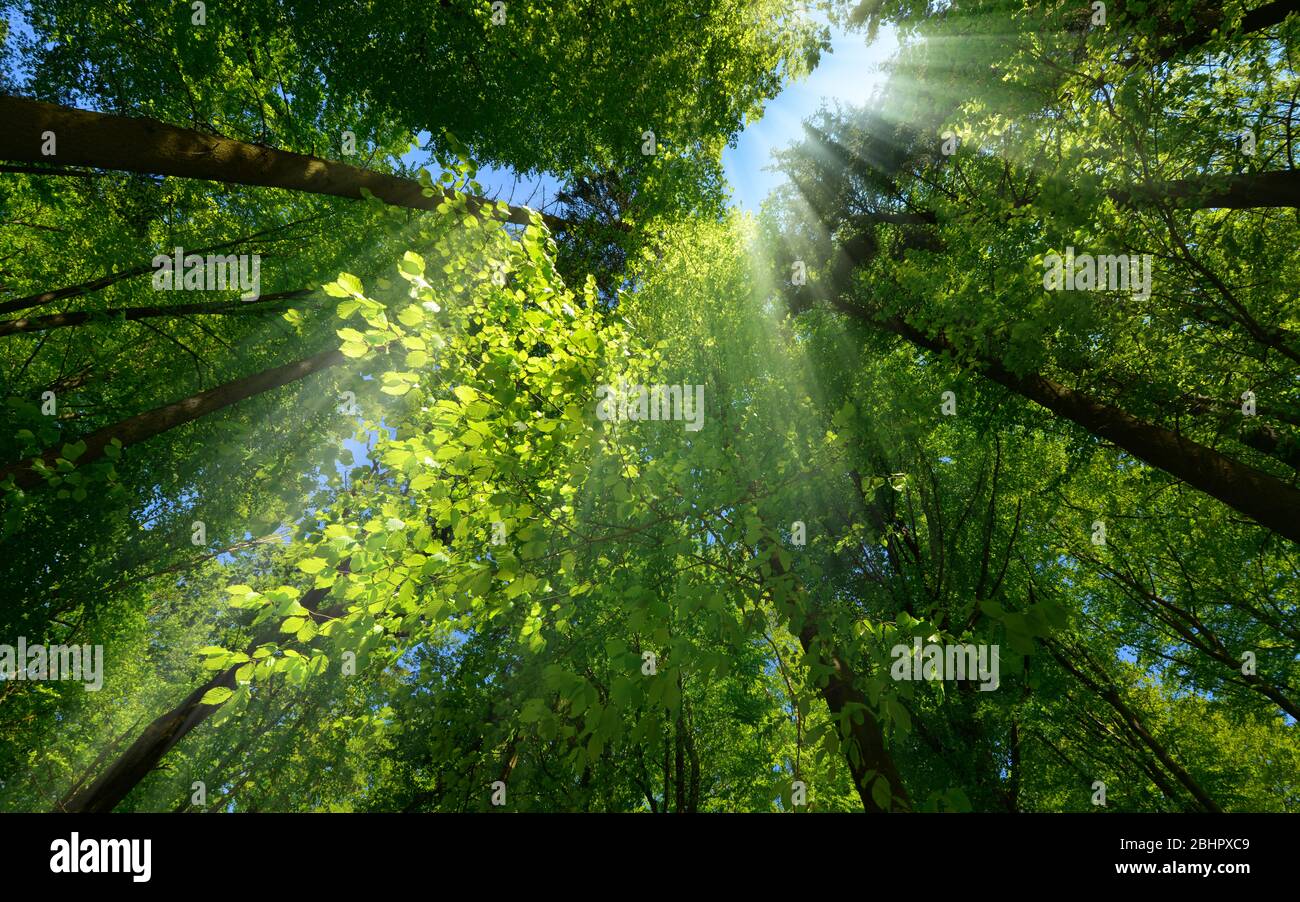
838,692
1208,18
1232,192
169,728
679,763
693,754
144,426
148,146
1264,498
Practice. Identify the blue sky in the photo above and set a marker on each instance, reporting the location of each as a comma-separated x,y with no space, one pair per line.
849,74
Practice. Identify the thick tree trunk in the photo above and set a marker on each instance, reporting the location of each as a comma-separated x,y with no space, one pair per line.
873,755
136,762
143,426
1264,498
84,138
1233,192
838,692
1207,20
169,728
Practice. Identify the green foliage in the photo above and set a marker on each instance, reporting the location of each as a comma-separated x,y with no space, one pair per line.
438,562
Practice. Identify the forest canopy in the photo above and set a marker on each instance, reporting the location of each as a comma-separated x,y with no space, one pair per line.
961,476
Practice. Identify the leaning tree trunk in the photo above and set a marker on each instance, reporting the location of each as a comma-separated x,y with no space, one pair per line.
1208,21
71,291
135,314
1264,498
143,426
169,728
83,138
136,762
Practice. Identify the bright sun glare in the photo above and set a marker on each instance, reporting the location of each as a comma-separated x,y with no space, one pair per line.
848,75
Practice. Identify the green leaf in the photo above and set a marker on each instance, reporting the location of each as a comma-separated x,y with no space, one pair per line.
350,283
216,696
412,263
902,720
880,792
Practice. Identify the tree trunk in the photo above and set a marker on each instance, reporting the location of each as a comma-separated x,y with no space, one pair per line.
1233,192
838,692
1134,723
143,426
1208,21
71,291
679,762
1262,497
148,146
668,788
130,314
693,754
133,765
873,755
